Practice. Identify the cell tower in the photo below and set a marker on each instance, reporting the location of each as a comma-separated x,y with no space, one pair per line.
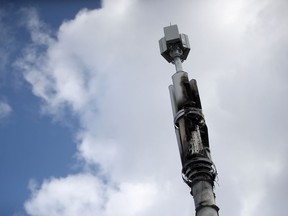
198,169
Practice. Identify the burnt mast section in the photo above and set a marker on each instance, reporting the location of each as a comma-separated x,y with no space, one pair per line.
198,170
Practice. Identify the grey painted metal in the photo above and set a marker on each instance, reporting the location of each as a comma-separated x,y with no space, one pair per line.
178,64
171,39
171,33
198,170
172,98
177,80
174,108
203,196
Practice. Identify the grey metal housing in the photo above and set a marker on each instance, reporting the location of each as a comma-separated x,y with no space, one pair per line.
173,38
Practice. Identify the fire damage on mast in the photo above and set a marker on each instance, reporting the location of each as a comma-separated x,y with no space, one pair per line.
198,169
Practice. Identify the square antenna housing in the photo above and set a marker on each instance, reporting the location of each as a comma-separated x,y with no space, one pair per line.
171,34
171,40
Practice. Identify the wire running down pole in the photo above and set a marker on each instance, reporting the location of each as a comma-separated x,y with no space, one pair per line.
198,170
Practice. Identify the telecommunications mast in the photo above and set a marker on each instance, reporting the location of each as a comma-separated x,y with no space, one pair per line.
198,170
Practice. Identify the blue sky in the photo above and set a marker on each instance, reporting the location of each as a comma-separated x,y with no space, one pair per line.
85,115
32,146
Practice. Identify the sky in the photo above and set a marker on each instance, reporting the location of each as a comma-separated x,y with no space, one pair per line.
86,122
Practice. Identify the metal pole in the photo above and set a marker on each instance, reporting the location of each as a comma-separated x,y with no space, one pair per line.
198,170
176,55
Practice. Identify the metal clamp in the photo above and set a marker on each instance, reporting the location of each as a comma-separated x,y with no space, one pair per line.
189,111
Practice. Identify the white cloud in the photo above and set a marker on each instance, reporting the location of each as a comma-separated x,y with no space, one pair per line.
5,109
105,66
81,192
85,194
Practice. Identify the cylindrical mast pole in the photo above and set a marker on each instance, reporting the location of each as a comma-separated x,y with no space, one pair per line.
191,131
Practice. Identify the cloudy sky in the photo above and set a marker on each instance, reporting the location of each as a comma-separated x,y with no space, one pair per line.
86,123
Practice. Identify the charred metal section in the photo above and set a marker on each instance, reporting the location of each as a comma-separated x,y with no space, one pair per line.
196,159
198,169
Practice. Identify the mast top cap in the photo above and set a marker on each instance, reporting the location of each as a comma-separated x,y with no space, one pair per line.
173,40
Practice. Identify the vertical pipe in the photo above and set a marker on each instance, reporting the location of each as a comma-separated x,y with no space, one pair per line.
204,199
178,64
